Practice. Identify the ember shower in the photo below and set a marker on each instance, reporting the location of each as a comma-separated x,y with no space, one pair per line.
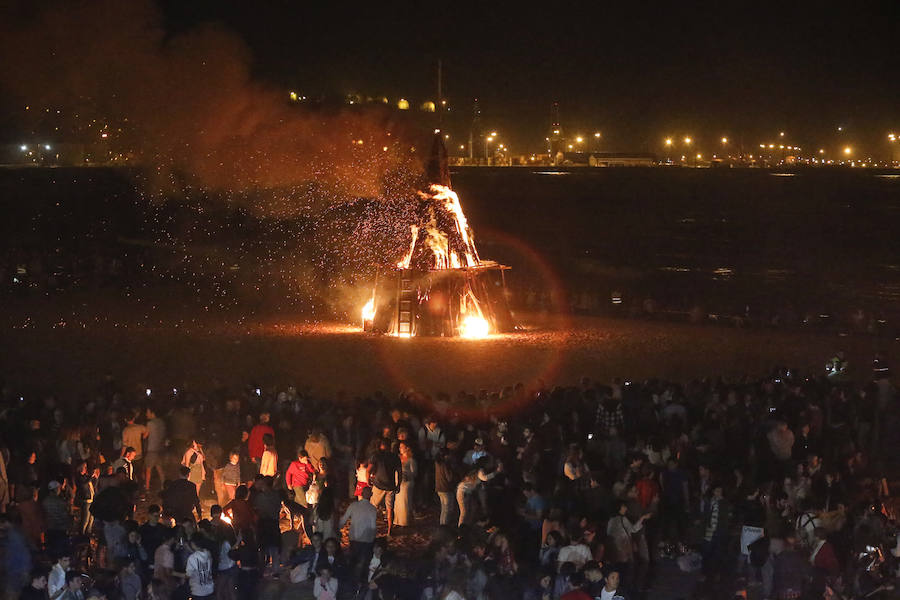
232,172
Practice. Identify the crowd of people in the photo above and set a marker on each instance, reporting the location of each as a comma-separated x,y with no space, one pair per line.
777,485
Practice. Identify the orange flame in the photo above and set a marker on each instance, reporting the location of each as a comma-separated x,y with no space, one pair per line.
414,231
474,327
472,322
437,241
368,311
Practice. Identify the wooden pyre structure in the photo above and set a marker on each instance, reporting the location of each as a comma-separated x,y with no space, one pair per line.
441,287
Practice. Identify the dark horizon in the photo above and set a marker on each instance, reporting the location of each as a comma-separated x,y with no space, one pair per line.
638,75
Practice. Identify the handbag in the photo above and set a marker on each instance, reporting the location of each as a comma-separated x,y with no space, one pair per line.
312,493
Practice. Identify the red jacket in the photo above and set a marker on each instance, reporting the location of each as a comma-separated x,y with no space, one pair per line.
826,560
576,595
255,444
299,474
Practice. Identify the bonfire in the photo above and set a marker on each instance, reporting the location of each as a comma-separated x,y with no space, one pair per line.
440,287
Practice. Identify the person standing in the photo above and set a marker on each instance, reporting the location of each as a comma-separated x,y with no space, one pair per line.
180,498
403,511
58,520
431,443
386,470
127,462
619,530
346,449
255,444
317,446
716,526
445,480
268,464
56,581
85,486
199,570
133,436
154,459
363,518
195,460
231,475
299,475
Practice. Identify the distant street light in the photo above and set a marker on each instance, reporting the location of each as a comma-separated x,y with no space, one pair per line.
687,140
668,141
724,140
848,150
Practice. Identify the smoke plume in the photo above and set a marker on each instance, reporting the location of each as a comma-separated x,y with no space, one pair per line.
188,108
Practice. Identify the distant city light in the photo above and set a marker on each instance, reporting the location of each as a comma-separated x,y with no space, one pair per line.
46,146
294,96
403,104
848,150
597,135
668,141
687,140
23,147
579,139
724,140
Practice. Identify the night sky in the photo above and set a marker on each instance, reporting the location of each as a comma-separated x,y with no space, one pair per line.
637,73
